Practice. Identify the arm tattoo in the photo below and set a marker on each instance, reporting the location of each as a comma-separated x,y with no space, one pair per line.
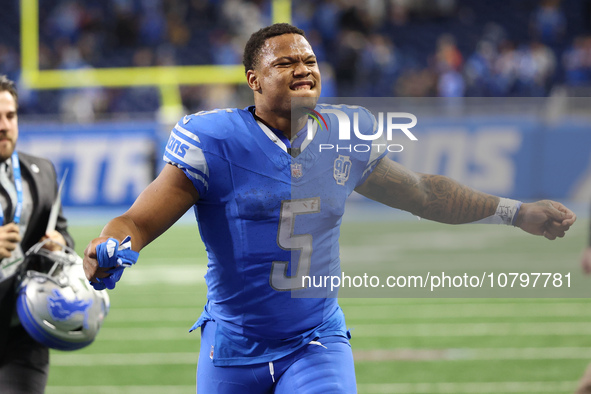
432,197
450,202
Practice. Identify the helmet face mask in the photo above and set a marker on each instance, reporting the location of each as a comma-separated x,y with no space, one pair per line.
56,305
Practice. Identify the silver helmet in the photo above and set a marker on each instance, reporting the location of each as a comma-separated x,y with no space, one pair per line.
56,305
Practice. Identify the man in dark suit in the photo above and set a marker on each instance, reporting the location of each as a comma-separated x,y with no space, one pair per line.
24,363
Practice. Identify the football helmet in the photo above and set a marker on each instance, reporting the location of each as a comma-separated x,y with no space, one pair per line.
55,303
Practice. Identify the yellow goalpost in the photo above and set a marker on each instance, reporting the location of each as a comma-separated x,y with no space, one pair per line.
166,78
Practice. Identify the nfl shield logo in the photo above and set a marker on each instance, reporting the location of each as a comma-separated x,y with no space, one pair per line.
296,170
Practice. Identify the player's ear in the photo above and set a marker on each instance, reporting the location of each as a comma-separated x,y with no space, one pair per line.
253,80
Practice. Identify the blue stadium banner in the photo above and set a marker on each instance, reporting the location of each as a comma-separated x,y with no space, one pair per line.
524,148
108,164
526,158
517,148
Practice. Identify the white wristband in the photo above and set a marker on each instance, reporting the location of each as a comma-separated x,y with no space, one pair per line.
506,213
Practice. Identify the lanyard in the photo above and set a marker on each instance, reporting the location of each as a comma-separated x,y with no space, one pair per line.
18,183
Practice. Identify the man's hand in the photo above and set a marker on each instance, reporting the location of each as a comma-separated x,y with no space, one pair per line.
9,239
90,263
56,241
586,260
108,257
548,218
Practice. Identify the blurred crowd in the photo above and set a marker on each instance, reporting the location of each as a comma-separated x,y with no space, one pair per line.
413,48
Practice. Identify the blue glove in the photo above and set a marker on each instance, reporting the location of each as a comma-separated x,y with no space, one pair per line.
110,254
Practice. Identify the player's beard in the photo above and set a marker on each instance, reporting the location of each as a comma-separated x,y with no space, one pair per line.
7,146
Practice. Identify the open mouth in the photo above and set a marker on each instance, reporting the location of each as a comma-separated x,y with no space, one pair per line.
303,85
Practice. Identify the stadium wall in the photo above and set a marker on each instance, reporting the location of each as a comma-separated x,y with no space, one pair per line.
109,164
519,157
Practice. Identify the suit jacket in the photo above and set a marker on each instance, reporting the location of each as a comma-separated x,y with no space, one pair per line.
40,173
41,176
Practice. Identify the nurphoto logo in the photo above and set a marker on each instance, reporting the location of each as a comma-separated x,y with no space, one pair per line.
317,117
384,121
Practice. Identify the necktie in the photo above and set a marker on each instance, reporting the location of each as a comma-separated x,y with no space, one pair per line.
8,185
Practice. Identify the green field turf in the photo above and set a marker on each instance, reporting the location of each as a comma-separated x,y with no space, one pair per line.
401,345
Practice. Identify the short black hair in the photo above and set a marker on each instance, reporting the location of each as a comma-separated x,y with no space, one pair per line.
8,86
257,40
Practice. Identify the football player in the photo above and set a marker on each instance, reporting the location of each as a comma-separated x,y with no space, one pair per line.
269,205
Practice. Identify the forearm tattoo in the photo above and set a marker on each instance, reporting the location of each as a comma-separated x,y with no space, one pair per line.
450,202
433,197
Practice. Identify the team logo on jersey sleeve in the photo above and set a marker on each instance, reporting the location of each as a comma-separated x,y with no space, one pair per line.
296,170
342,169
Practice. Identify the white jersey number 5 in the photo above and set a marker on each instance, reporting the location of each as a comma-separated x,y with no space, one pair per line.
287,240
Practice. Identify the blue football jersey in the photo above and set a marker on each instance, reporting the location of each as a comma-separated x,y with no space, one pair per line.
268,220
